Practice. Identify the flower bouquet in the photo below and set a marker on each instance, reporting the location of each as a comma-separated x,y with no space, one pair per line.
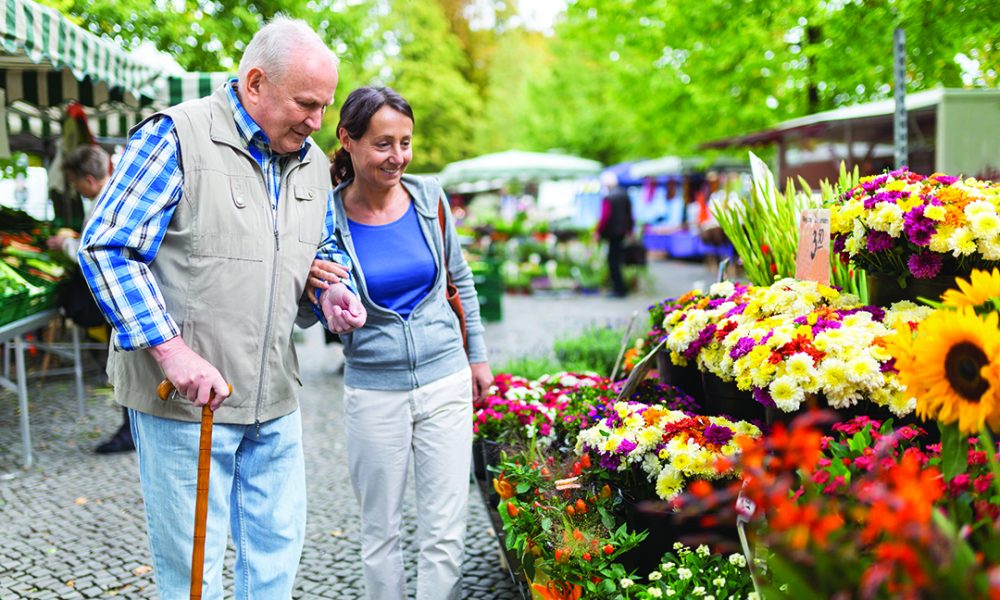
793,340
907,226
668,447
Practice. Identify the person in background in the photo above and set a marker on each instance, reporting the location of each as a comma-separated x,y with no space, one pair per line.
198,254
408,384
87,170
615,226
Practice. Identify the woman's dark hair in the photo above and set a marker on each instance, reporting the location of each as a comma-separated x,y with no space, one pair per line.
355,116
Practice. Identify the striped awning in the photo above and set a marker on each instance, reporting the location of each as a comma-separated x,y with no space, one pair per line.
47,61
110,120
190,86
52,43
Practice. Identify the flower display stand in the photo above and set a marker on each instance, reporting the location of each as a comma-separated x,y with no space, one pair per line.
488,451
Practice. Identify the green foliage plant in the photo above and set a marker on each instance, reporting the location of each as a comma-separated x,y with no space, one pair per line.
596,349
764,228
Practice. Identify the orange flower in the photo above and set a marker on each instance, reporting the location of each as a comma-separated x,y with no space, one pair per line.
631,357
503,487
558,590
700,488
651,415
799,449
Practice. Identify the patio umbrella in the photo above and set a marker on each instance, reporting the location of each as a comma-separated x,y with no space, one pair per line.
518,165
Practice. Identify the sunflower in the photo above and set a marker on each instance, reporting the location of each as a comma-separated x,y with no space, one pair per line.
953,369
981,287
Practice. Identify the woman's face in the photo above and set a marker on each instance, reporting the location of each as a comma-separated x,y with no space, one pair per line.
381,155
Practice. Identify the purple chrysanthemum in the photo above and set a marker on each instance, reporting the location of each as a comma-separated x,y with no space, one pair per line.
874,184
609,462
879,241
626,446
924,265
918,228
877,313
718,434
737,310
743,347
704,337
946,179
763,396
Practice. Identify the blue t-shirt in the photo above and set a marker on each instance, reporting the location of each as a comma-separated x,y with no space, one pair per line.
398,265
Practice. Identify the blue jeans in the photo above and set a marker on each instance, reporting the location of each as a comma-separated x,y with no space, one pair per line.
256,488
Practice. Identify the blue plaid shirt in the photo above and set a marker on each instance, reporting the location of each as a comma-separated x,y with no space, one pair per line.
132,215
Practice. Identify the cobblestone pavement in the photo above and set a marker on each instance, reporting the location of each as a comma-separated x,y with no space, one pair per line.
73,526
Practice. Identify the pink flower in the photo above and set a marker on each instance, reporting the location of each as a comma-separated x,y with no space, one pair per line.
958,484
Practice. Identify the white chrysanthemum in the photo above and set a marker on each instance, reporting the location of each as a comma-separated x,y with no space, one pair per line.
737,559
723,289
989,248
862,368
786,393
800,366
684,573
979,208
985,226
669,483
887,217
962,241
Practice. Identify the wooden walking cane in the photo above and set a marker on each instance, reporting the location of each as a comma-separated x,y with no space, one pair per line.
201,498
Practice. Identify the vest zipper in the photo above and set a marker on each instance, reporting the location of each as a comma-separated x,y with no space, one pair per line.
270,304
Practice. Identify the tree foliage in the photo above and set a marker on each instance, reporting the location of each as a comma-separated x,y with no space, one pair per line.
617,80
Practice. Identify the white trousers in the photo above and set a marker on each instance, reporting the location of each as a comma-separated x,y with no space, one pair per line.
434,424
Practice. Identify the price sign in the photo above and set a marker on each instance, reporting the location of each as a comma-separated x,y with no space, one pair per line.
813,259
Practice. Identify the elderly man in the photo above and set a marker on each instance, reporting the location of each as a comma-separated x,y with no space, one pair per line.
198,254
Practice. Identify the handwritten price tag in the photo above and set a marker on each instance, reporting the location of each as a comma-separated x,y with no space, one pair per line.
813,260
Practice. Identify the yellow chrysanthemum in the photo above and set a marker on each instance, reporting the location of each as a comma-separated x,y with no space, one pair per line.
935,212
952,367
979,289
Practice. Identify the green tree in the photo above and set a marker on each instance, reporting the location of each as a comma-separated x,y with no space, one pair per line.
421,58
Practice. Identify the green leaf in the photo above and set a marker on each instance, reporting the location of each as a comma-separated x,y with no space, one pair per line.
954,451
787,572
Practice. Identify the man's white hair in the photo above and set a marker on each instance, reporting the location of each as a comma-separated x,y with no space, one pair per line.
277,47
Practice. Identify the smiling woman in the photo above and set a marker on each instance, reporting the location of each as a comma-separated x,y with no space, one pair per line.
409,380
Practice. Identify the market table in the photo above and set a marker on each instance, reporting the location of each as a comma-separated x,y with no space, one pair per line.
14,332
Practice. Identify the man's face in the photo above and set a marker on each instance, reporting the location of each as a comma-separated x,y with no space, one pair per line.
290,108
86,185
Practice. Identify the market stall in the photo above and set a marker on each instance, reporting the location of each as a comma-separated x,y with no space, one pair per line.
786,436
47,63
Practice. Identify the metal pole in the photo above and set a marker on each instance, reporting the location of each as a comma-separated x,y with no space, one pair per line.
900,133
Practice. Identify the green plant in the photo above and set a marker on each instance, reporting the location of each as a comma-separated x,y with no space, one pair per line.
596,349
688,573
530,367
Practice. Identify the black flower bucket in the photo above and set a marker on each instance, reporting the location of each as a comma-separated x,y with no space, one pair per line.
883,290
723,398
666,528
